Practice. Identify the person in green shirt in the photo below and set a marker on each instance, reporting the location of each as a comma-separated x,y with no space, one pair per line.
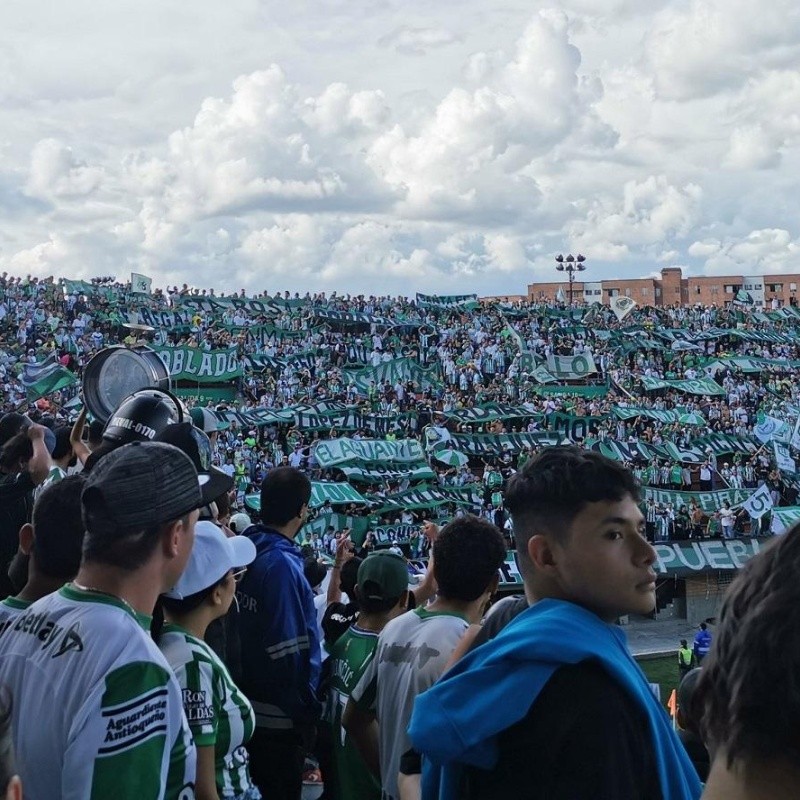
382,594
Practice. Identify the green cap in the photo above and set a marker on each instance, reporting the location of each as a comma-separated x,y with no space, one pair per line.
383,576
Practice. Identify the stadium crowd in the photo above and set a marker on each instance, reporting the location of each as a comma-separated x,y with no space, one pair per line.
171,628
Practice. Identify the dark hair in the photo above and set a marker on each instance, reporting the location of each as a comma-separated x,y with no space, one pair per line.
284,491
18,448
689,719
7,765
105,543
58,528
749,689
348,577
556,485
467,554
63,443
186,605
314,571
105,447
369,606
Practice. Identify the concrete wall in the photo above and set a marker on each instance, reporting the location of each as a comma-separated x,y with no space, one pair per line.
704,595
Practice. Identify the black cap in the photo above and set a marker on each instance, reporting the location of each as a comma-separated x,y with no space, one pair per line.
197,446
144,484
10,425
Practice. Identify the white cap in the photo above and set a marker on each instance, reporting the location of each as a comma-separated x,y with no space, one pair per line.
212,556
240,522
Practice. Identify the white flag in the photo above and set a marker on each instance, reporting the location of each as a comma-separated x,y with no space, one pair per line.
783,460
795,441
758,503
769,429
560,295
140,284
622,306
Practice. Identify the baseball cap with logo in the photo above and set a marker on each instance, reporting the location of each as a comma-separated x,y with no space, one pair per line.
197,446
383,576
213,555
143,484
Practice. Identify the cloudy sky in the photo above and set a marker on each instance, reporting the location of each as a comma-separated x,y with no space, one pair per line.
397,145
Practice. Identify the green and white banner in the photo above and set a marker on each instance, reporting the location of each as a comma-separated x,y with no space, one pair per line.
489,412
161,319
340,451
350,420
571,368
495,444
701,386
389,534
347,317
707,501
415,499
201,366
631,412
592,390
572,427
379,473
783,517
690,558
249,307
466,302
398,369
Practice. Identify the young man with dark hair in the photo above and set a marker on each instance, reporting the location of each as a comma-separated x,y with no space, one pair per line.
381,589
52,544
279,637
748,695
414,649
98,712
555,707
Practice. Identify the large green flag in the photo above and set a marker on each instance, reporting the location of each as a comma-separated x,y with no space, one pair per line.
45,378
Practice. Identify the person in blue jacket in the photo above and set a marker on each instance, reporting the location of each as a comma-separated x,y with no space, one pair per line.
555,707
702,643
279,639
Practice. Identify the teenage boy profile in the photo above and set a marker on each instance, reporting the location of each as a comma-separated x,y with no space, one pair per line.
555,706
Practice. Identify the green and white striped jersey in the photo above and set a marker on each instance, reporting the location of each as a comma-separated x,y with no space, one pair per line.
350,655
219,715
97,711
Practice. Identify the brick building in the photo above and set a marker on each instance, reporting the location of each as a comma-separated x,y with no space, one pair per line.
768,291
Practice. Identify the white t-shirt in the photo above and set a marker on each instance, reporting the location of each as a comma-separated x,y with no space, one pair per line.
10,609
97,710
412,652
